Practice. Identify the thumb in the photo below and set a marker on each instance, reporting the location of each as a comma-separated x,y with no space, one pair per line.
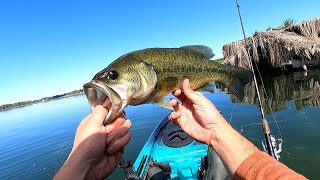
191,94
98,114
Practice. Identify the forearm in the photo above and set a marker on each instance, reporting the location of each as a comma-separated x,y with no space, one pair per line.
262,166
72,169
232,147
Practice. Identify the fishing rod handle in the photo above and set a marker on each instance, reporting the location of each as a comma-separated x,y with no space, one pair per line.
265,126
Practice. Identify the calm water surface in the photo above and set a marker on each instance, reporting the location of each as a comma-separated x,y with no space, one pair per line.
35,140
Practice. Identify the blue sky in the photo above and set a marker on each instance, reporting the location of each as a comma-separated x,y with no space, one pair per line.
52,47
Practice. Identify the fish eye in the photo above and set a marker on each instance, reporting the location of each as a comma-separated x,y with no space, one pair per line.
113,74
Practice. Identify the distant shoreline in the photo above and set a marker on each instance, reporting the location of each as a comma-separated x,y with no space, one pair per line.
6,107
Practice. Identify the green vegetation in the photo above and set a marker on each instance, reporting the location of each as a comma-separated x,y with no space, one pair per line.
45,99
219,60
287,22
269,29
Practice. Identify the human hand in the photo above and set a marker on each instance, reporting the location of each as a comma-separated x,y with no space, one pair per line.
196,116
97,149
199,118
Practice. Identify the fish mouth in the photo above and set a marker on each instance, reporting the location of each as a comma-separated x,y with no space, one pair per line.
99,94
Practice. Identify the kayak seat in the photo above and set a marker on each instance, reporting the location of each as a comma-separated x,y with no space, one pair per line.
174,136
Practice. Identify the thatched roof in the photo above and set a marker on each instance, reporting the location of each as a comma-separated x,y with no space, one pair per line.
275,48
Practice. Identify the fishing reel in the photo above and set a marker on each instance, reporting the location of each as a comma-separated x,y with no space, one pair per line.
276,145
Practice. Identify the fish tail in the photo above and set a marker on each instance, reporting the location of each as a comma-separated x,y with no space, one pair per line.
238,82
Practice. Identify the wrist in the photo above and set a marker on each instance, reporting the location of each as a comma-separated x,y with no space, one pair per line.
231,146
216,137
73,168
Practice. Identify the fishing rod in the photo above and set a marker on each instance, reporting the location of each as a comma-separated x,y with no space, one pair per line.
271,146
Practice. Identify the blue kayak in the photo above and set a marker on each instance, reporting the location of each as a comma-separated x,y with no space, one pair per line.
169,153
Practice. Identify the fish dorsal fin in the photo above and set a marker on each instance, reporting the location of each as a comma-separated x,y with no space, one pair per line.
204,50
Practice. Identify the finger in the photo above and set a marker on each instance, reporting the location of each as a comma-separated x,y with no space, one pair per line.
119,143
119,132
173,103
176,106
115,124
189,93
186,87
118,156
175,115
92,113
177,92
199,93
182,97
175,121
109,128
97,116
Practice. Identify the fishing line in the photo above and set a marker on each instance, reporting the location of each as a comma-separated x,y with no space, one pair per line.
275,120
272,145
266,95
251,124
232,113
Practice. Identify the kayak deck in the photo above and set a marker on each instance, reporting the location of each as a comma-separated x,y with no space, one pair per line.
169,144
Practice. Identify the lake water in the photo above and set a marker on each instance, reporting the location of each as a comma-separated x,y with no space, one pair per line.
35,140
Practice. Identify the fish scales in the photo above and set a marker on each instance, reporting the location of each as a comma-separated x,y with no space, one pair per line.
148,75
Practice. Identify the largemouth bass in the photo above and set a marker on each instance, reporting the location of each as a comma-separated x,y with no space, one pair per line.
149,75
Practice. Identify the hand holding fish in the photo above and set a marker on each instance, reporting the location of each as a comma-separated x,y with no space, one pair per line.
97,149
197,116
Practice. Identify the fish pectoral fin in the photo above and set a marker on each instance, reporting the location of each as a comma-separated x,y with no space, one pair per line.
165,103
209,87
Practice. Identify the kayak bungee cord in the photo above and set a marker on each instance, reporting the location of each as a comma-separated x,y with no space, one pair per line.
271,145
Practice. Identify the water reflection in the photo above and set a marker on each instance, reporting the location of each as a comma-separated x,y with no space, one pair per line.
35,140
301,88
